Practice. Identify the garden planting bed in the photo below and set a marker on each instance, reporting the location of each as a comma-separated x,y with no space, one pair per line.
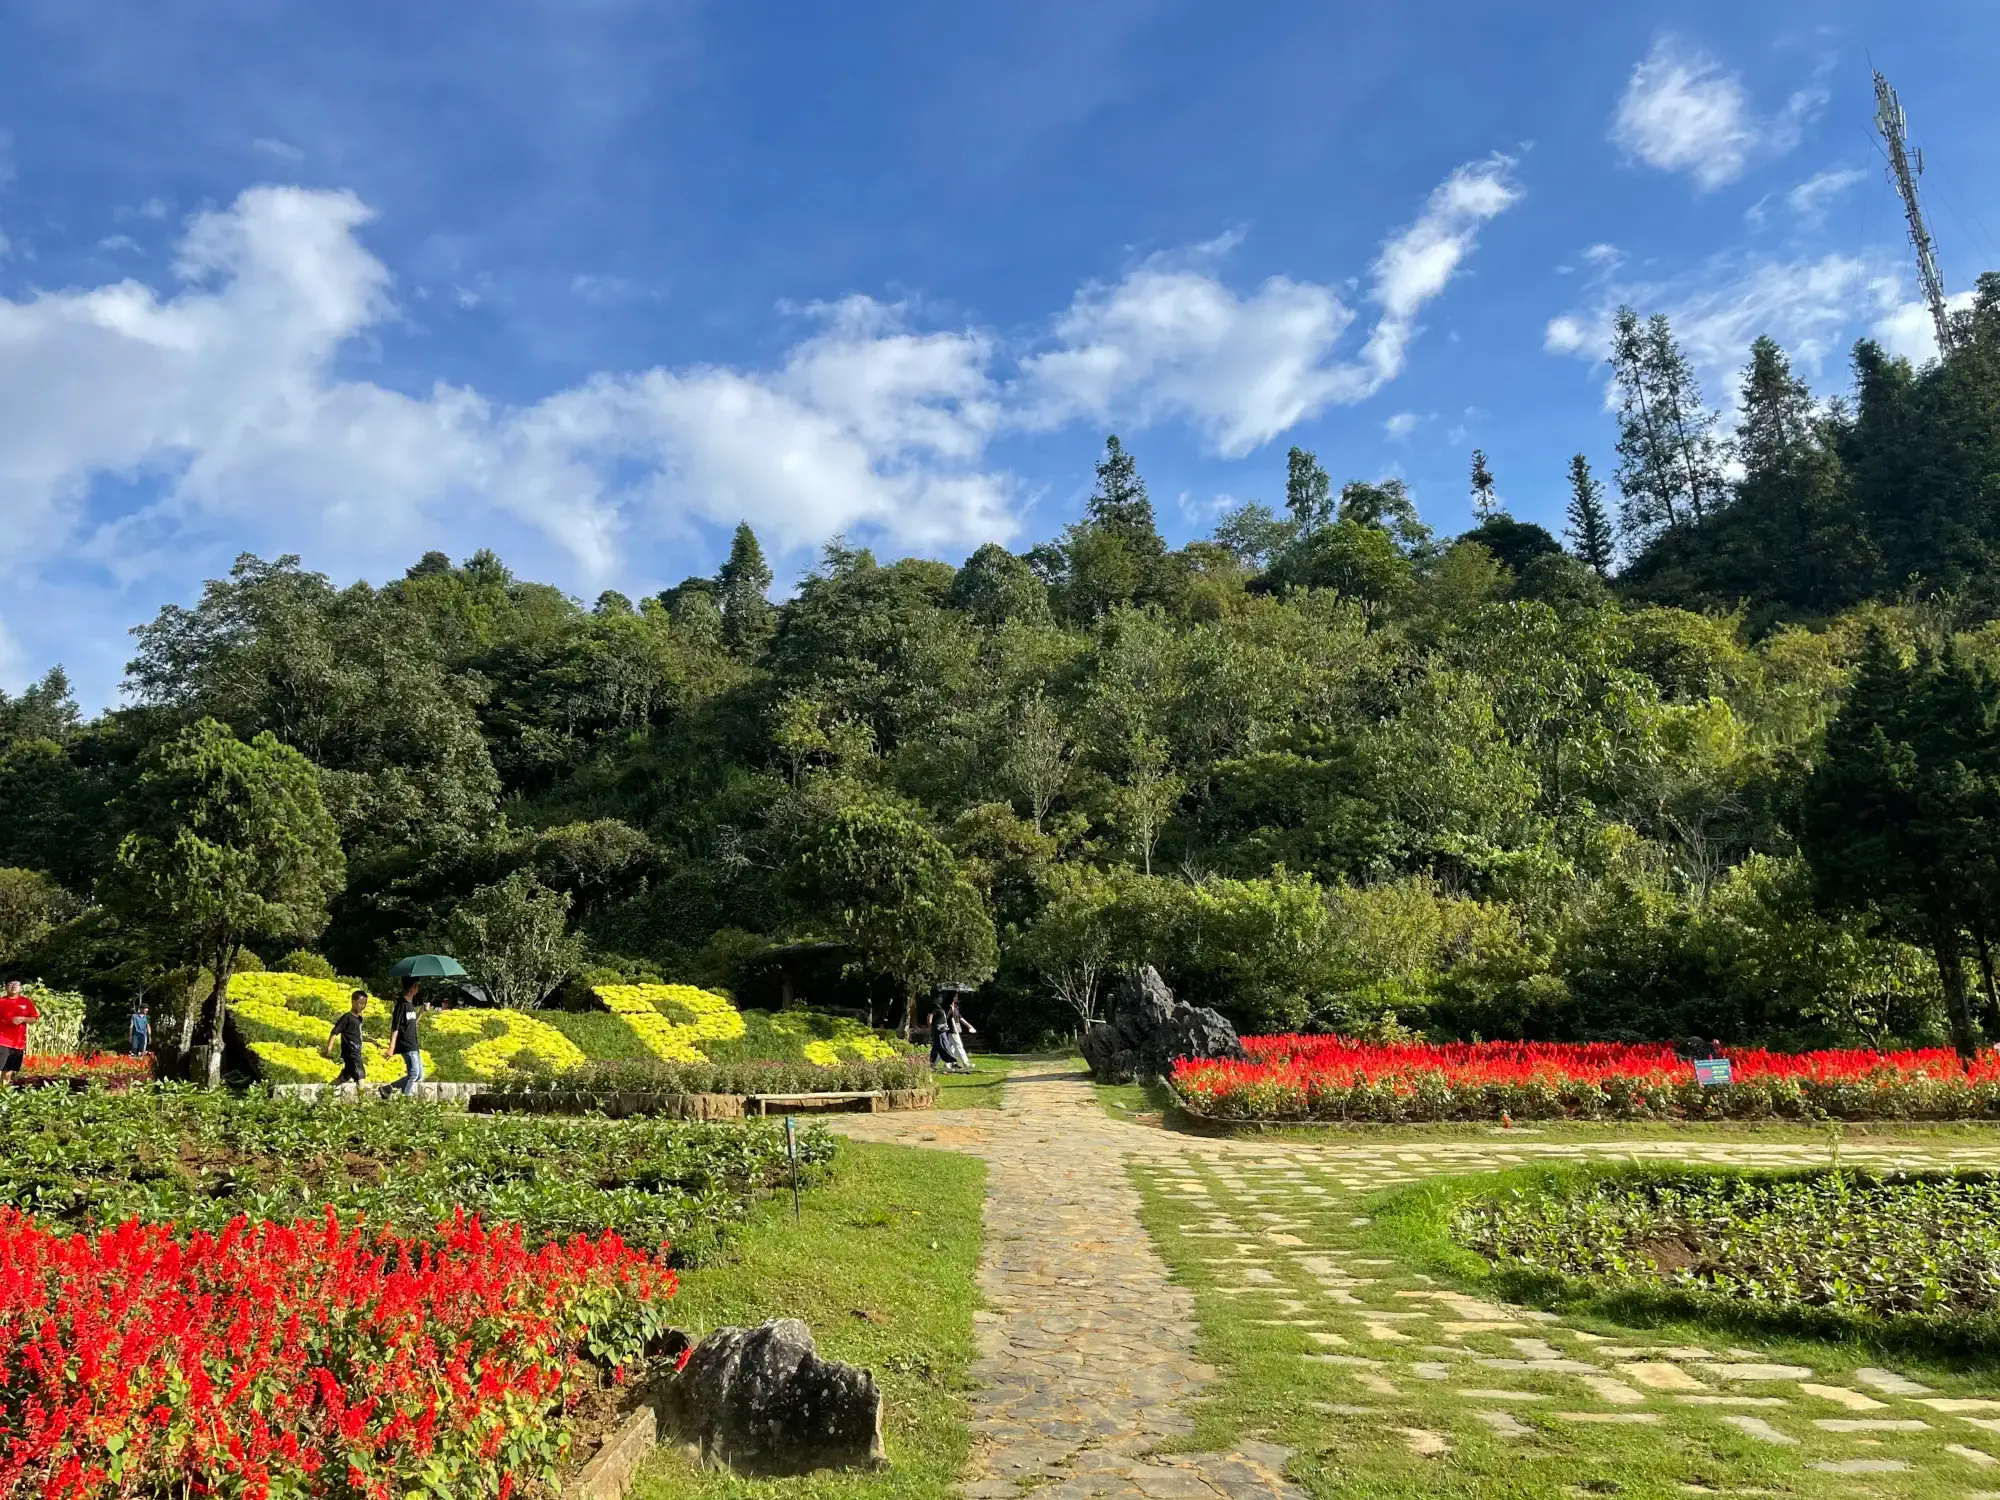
1828,1251
255,1295
1315,1080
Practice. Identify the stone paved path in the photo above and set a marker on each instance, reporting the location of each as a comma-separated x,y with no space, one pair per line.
1085,1361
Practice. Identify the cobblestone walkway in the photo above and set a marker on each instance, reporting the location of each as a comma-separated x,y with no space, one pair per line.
1085,1361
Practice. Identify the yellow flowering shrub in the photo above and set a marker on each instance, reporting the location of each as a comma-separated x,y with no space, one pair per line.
501,1036
670,1019
864,1047
285,1019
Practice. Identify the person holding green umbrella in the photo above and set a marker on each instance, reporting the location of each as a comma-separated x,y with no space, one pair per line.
403,1037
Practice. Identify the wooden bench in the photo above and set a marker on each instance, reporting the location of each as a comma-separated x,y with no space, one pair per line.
868,1101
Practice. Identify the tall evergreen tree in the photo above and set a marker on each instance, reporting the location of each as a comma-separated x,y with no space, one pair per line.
1797,537
1590,531
1485,502
1897,815
744,582
1669,463
1308,490
1119,505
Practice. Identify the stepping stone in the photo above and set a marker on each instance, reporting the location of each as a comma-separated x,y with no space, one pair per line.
1758,1372
1861,1466
1660,1376
1959,1403
1761,1430
1889,1383
1498,1395
1345,1359
1840,1395
1730,1400
1477,1325
1428,1370
1979,1458
1870,1424
1614,1392
1399,1317
1425,1443
1374,1383
1504,1425
1535,1349
1320,1336
1546,1366
1386,1334
1607,1416
1338,1409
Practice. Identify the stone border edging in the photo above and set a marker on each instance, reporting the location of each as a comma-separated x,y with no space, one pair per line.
614,1466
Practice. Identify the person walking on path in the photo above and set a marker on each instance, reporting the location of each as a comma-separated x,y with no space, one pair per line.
16,1011
139,1030
347,1031
940,1038
957,1030
403,1041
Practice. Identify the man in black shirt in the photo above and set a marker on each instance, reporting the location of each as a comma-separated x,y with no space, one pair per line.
347,1031
403,1041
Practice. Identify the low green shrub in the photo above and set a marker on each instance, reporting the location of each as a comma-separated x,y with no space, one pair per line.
745,1076
199,1158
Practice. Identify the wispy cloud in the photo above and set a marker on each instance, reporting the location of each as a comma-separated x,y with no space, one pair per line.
1681,112
1171,341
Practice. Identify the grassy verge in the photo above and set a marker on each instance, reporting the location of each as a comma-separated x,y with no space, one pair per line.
1357,1426
1414,1225
979,1089
1135,1103
880,1265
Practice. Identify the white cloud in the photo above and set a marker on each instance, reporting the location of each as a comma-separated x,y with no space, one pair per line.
1401,425
1908,330
283,151
1682,113
226,393
1810,199
1813,307
1170,341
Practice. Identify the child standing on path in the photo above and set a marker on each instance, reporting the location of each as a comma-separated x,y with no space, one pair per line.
139,1033
16,1011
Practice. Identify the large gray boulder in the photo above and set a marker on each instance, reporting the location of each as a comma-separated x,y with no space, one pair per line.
1149,1028
761,1401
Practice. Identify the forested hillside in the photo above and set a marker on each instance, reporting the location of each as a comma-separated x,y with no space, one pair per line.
1325,768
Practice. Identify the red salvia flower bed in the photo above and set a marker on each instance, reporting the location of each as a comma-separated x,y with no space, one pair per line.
113,1069
304,1359
1333,1078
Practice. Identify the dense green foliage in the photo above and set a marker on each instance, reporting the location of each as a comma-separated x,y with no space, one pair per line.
199,1158
748,1076
1860,1246
1323,767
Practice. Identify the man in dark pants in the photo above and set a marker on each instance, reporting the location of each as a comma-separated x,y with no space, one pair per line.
403,1041
347,1031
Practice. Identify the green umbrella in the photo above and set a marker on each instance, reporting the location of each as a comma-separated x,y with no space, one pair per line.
428,966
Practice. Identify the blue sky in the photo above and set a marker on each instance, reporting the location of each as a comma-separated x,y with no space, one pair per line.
587,280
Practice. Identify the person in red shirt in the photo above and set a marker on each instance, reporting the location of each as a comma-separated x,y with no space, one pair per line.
16,1011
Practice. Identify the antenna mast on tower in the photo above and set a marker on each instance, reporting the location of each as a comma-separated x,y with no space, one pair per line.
1895,134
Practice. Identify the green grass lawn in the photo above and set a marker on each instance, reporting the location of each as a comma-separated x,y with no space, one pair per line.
880,1265
1380,1390
979,1089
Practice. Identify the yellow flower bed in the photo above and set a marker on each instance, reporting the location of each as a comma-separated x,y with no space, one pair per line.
504,1036
671,1018
864,1047
294,1013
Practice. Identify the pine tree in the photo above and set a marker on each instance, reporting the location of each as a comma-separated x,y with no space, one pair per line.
1697,455
1308,490
1120,505
1590,530
744,583
1485,503
1669,463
